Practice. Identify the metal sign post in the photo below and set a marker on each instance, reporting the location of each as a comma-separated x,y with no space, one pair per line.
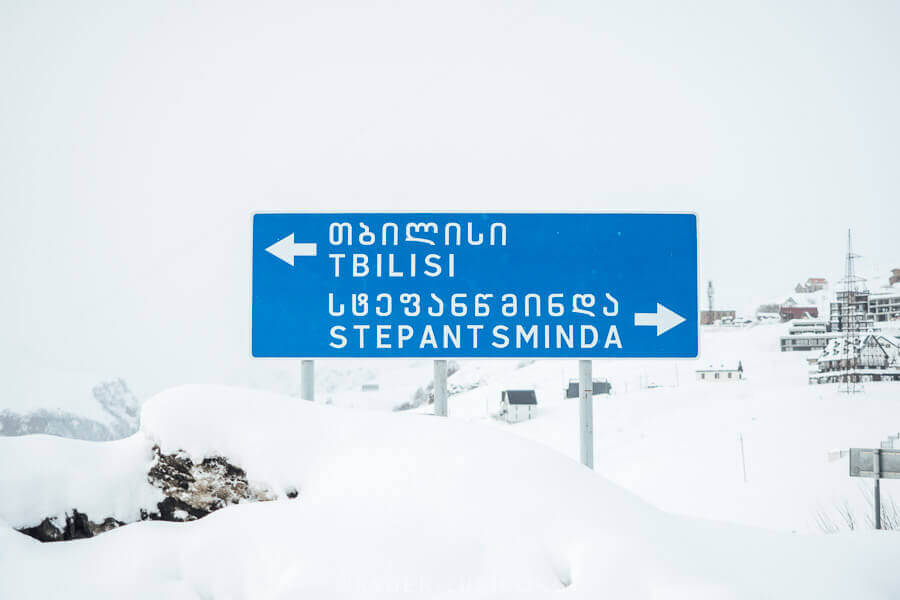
876,469
308,380
440,388
586,413
877,463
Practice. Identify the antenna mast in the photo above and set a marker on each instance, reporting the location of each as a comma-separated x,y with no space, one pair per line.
852,296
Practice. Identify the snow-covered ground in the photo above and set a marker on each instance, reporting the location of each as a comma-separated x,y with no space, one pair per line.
391,505
678,445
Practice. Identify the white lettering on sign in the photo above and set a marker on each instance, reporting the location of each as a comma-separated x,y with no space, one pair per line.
462,304
428,233
389,252
458,336
392,265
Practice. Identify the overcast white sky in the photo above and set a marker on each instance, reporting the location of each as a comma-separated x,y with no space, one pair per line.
136,138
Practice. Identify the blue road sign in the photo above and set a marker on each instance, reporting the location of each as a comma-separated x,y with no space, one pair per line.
445,285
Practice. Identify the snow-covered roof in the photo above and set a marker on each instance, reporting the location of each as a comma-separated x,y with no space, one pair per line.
892,293
722,367
806,326
845,348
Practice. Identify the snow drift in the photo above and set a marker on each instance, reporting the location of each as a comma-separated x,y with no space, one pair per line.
390,505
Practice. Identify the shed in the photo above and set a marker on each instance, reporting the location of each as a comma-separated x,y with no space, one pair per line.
517,405
601,386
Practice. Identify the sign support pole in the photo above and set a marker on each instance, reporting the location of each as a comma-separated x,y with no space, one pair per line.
307,380
876,460
440,388
586,412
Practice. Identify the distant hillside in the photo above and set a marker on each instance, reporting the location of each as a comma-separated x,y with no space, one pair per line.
113,413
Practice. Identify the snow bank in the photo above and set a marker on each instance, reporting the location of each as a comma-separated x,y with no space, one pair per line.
45,476
679,446
400,506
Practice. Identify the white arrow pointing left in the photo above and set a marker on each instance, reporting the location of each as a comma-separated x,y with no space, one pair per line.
286,249
663,319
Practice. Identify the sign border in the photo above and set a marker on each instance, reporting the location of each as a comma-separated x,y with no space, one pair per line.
253,214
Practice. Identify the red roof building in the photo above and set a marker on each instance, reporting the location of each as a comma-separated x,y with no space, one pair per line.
798,312
813,284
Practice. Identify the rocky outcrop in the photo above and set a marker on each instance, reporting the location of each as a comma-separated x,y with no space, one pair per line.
71,527
192,491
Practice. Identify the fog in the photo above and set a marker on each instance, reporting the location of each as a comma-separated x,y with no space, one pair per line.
137,138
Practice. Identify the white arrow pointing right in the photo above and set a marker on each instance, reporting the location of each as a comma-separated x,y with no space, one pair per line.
286,249
663,319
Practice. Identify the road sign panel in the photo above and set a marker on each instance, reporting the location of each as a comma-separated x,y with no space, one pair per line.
445,285
862,463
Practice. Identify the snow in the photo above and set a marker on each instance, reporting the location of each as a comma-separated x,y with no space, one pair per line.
47,476
393,505
55,390
678,446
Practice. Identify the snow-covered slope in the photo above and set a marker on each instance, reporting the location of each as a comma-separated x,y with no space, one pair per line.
70,404
393,505
679,445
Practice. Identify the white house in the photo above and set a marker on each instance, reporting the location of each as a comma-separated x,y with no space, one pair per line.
721,373
518,405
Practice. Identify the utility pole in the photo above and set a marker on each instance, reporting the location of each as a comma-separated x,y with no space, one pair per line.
876,468
586,413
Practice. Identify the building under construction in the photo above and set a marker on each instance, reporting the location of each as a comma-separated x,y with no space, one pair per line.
856,354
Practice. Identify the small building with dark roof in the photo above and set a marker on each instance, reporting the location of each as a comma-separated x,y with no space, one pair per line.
518,405
601,386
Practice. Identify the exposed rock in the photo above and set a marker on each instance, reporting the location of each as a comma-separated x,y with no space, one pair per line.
192,491
197,489
76,526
